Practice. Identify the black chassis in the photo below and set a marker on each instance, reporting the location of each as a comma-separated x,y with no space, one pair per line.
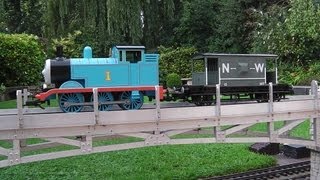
205,95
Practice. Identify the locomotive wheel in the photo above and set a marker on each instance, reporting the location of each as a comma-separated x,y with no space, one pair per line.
66,99
133,103
104,97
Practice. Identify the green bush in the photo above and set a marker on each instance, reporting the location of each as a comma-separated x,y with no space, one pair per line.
21,59
175,60
298,75
173,80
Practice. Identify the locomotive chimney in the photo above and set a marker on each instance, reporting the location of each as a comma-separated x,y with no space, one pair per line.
59,52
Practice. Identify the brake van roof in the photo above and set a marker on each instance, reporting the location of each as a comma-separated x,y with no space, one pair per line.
218,55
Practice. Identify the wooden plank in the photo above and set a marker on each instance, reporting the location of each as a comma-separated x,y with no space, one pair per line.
8,122
48,156
4,151
296,141
119,147
289,126
58,120
175,132
138,135
121,117
292,106
247,140
44,145
7,112
237,128
4,163
64,141
241,109
187,113
193,141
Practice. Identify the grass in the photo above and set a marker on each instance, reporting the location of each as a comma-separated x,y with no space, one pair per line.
300,131
161,162
8,104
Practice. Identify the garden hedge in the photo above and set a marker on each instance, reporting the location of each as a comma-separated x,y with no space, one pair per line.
21,59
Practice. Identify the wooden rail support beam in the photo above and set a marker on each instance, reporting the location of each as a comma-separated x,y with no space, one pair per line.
14,154
86,144
157,139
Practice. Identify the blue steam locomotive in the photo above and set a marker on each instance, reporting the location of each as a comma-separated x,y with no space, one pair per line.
124,79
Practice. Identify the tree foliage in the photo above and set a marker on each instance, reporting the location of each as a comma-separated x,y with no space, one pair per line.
292,32
22,16
198,23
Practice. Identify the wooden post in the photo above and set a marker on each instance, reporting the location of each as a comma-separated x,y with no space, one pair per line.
20,109
158,113
220,136
96,105
270,124
313,121
315,135
25,96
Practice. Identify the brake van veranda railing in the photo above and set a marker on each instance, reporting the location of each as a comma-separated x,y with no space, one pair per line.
154,126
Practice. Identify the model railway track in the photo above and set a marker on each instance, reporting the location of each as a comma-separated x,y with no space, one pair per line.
299,170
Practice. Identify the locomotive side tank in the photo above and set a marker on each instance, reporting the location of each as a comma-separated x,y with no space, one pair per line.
128,68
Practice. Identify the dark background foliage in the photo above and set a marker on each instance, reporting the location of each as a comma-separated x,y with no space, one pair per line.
288,28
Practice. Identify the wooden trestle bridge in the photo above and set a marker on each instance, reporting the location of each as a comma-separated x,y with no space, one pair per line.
156,126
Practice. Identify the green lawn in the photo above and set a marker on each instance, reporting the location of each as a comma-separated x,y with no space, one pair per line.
301,131
161,162
8,104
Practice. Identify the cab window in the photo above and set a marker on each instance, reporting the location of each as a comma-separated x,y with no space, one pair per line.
133,56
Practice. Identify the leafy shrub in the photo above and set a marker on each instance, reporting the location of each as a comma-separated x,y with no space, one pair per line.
298,75
21,59
173,80
175,60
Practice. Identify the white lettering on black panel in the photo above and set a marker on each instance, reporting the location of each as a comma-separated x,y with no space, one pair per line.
259,67
225,68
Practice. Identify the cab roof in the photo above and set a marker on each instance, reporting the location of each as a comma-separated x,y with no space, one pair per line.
130,47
